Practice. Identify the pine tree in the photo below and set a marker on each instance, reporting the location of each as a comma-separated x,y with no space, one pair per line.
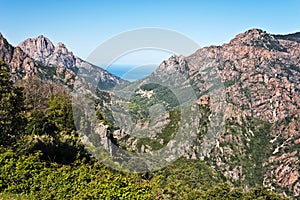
60,112
12,118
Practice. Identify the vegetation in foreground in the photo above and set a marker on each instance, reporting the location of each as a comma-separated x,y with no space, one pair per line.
41,157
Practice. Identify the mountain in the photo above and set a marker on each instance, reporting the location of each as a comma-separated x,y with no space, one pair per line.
256,76
42,50
261,74
234,106
22,65
39,57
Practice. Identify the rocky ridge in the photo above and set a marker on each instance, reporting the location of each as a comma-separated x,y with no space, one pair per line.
259,141
261,74
38,57
42,50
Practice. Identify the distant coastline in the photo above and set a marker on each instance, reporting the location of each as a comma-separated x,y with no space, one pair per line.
131,72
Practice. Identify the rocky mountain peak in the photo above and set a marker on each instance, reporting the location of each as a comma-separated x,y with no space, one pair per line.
257,38
251,34
255,31
171,63
42,49
61,47
6,49
39,48
2,39
61,56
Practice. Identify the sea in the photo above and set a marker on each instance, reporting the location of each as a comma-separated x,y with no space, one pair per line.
131,72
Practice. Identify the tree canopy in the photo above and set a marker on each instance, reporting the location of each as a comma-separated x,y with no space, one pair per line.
12,120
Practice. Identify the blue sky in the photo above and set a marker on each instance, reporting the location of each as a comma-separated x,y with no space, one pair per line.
83,25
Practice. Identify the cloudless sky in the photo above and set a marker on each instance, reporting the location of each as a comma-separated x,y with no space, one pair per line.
83,25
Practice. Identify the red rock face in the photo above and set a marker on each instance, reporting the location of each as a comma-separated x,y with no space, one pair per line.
265,72
283,164
261,73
